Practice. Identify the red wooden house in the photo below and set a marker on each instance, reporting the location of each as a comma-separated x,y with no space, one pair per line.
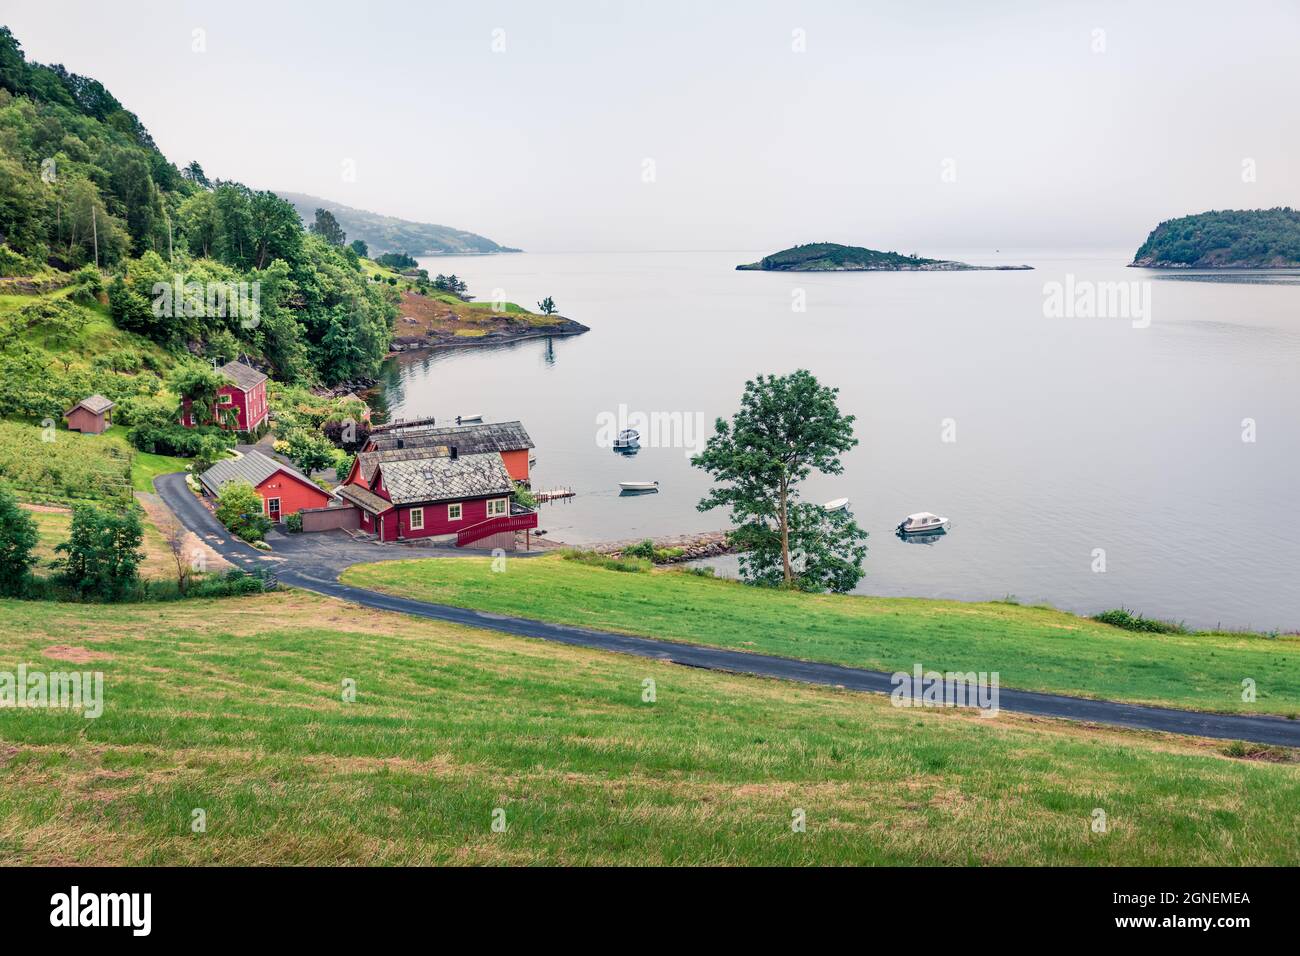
508,439
436,493
245,393
283,488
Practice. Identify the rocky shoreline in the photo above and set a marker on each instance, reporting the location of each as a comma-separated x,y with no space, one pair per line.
439,340
702,544
946,266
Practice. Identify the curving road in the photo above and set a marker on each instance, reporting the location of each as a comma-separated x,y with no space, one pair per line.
314,562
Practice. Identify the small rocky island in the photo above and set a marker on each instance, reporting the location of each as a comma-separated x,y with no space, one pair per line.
833,257
1227,239
439,321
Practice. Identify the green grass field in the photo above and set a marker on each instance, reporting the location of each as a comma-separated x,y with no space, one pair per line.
1031,648
146,466
234,707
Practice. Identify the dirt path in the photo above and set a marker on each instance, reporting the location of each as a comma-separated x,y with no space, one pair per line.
161,517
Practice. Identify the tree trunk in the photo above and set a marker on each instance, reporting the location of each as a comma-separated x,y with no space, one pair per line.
785,538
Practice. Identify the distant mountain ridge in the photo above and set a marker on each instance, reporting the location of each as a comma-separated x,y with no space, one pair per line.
1225,239
833,257
390,234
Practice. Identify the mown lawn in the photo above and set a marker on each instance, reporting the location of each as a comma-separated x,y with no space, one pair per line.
235,708
146,466
1030,648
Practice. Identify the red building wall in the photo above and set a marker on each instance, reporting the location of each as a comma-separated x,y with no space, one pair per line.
516,463
251,406
293,494
87,422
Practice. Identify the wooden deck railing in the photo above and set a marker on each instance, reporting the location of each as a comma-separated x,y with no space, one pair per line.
518,520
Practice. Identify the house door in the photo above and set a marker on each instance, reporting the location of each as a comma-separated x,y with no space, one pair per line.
273,509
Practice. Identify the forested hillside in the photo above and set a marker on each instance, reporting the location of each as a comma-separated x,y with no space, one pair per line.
1230,238
82,185
383,234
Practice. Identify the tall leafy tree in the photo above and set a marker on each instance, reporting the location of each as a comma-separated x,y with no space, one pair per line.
18,539
328,228
787,427
102,554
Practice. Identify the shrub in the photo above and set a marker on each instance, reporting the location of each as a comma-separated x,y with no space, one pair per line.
102,553
239,508
524,497
177,439
12,264
293,522
1123,617
18,540
646,549
597,560
87,285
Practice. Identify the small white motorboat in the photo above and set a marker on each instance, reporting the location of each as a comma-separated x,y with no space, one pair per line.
836,504
639,485
923,522
627,438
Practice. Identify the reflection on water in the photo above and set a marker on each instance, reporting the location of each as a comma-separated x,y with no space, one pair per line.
1070,432
1238,278
921,537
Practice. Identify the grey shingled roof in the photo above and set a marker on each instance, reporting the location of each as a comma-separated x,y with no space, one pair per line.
96,404
445,479
245,376
364,498
467,439
369,460
253,467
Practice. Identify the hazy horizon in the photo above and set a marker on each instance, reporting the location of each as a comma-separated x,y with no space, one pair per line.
900,128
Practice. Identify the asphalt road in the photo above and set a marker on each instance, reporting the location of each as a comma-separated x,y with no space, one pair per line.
314,562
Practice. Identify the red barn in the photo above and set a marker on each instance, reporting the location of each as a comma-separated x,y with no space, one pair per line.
89,416
451,496
245,393
283,488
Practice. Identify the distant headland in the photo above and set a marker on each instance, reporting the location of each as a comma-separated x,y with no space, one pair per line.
833,257
1227,239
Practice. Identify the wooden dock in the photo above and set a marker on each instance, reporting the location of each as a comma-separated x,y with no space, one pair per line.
554,494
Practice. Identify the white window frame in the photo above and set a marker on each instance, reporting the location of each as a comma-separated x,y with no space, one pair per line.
225,398
415,519
492,504
459,512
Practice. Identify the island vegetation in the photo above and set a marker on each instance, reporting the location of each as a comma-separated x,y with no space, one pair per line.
833,257
1226,239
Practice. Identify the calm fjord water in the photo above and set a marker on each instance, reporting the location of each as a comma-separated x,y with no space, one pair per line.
1072,434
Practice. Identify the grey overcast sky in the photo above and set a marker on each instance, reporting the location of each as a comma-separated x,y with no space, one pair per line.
1066,125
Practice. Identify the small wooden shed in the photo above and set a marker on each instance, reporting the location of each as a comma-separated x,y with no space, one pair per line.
89,416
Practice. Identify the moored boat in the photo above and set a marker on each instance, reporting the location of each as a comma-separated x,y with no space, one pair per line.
923,522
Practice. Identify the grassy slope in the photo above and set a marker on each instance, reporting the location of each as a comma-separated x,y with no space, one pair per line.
234,707
146,466
1031,648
